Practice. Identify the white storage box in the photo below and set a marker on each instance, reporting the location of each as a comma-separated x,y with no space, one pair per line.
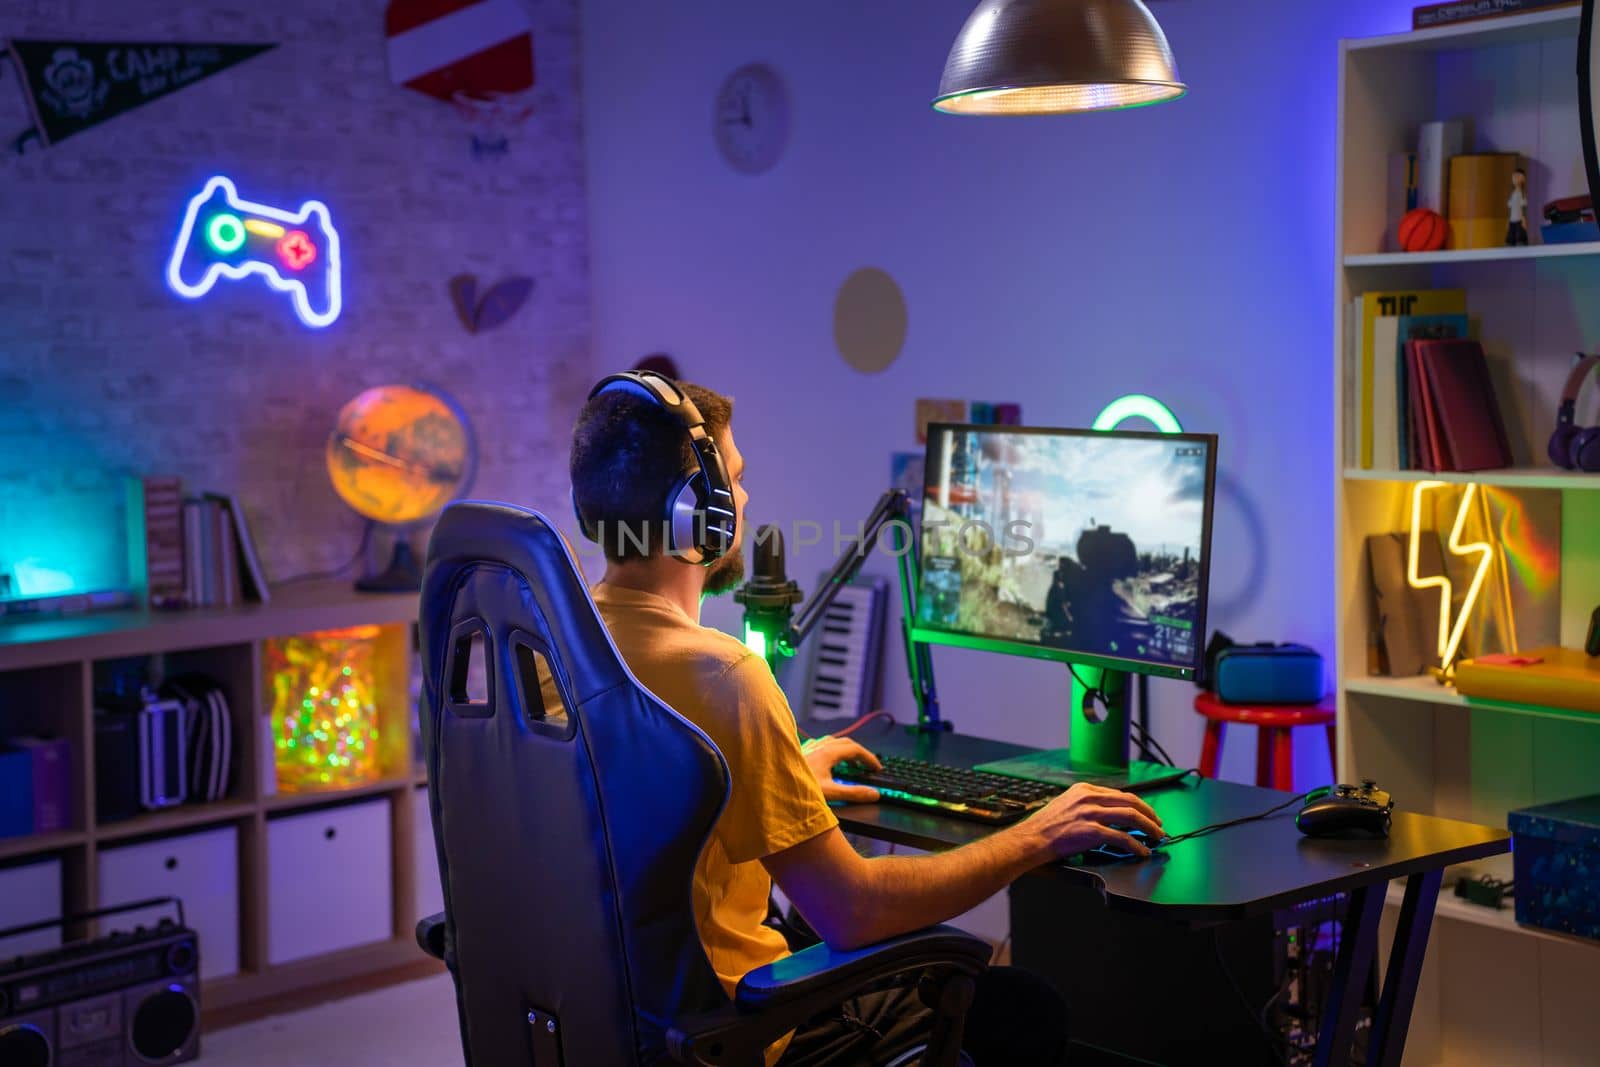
30,893
201,869
329,881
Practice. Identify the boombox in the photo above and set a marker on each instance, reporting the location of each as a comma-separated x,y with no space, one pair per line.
124,1000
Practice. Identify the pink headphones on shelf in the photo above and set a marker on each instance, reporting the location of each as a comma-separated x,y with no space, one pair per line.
1571,446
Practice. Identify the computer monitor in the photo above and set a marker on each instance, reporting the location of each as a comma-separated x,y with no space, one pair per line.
1092,547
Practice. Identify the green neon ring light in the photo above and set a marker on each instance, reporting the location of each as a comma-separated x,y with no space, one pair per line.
1137,406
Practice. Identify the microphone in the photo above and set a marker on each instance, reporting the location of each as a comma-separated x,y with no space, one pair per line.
768,597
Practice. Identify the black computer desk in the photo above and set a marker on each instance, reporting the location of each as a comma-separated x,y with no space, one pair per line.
1238,873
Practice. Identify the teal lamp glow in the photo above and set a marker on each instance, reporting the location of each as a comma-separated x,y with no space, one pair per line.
1137,406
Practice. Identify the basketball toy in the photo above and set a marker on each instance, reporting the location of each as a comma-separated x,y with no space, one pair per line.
1422,230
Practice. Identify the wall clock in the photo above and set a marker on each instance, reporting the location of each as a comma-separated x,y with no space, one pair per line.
750,121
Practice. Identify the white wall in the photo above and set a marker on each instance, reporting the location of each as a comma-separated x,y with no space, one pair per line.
1184,250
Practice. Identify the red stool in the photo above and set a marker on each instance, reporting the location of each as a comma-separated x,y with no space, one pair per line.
1274,752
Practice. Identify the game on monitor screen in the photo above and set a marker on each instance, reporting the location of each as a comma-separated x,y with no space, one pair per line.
1080,545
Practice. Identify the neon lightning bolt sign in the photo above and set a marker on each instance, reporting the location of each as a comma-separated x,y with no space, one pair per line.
1449,636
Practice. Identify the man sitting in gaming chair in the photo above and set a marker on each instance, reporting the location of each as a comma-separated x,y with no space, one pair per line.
641,453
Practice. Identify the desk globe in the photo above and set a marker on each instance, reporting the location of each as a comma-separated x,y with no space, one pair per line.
397,455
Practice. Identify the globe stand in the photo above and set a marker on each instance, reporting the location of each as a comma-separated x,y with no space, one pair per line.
401,576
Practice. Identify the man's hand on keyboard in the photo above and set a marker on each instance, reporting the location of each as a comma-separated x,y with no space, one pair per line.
1085,817
823,753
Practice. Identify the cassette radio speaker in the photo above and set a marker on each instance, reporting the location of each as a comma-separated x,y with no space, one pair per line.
124,1000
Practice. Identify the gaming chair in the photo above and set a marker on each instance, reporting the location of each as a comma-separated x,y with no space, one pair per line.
566,842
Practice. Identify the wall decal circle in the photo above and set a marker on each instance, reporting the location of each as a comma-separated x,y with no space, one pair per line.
869,320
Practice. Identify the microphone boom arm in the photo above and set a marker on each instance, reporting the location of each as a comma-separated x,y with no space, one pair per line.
892,506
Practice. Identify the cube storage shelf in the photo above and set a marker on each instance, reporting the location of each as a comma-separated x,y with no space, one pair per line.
1492,991
270,877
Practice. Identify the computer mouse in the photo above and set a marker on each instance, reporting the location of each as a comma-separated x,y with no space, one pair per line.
1109,852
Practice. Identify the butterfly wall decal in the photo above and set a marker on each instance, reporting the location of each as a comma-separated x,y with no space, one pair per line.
494,307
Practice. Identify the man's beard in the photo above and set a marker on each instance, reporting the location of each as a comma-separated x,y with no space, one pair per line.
725,574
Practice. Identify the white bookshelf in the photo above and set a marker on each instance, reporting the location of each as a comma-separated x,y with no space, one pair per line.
1447,256
1493,992
1453,909
1528,477
1557,24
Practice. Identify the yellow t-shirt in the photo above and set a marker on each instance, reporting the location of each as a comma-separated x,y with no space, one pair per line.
774,801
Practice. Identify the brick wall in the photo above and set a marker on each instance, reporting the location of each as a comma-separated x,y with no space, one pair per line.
104,371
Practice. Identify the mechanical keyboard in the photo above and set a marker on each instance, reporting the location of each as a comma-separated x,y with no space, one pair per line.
956,791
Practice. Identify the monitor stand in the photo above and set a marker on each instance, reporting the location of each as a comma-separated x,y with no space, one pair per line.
1097,736
1097,732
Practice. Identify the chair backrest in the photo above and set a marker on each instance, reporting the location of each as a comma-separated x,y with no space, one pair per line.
566,842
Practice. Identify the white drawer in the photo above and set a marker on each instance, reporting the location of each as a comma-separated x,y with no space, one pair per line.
329,881
30,893
200,869
424,861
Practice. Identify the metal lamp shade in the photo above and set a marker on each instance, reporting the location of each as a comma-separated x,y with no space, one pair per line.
1048,57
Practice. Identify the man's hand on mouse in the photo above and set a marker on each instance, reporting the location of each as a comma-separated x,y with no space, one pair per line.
1084,817
824,753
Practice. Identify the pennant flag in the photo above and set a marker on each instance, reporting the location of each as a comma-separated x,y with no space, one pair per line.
72,85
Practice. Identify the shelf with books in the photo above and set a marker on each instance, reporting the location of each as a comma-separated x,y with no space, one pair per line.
1545,477
1447,256
29,641
1547,25
49,670
1424,689
1405,399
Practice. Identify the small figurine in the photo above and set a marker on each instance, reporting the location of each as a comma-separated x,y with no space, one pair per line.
1517,229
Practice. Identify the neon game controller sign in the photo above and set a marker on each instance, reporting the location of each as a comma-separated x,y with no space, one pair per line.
225,236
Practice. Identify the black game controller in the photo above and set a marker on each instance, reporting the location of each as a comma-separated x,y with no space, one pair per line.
1347,811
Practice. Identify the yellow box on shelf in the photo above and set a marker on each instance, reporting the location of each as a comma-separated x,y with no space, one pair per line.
1555,677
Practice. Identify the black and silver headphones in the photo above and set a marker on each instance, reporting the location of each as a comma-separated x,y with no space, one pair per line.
699,516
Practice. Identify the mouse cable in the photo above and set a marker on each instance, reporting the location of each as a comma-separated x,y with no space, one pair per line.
337,572
1214,827
1148,742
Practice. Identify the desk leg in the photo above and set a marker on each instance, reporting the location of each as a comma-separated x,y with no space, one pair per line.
1405,968
1358,945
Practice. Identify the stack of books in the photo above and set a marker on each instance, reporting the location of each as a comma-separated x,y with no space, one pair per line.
35,786
193,551
1418,394
1444,14
155,540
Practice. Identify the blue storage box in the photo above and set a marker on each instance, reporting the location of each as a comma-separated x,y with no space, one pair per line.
1556,853
16,791
1267,673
